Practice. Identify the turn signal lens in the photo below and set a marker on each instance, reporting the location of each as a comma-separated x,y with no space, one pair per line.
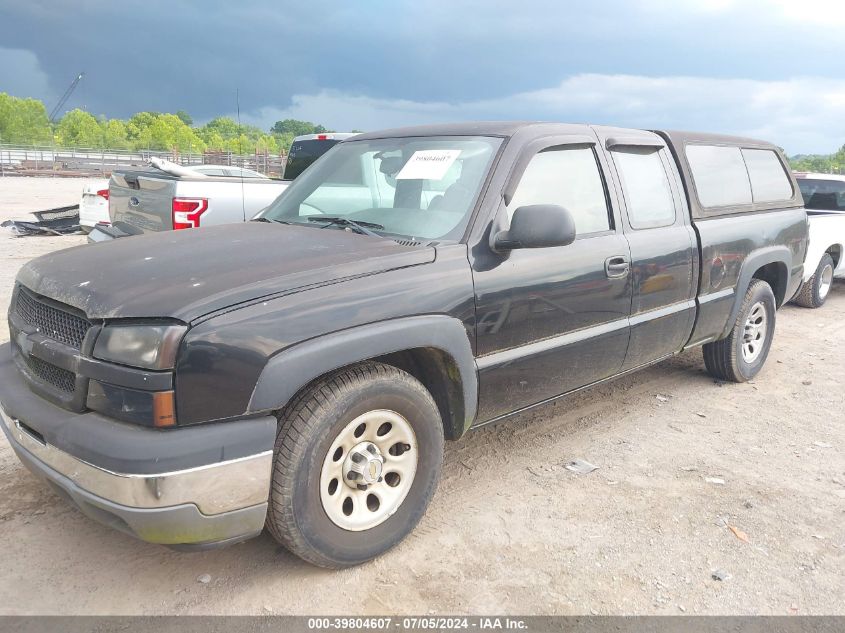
164,409
148,408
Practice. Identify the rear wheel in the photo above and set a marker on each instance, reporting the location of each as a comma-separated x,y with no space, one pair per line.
814,291
741,355
358,457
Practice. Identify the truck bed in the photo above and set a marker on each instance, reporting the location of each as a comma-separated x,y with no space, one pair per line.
141,201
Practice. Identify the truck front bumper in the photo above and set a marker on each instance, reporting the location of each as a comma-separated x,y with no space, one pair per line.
191,487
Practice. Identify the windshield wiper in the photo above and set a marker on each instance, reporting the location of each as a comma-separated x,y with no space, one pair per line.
266,219
359,227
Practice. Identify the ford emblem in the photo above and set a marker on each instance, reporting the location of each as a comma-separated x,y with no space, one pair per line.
134,202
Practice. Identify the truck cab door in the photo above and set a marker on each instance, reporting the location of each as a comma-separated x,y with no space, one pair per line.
664,249
551,320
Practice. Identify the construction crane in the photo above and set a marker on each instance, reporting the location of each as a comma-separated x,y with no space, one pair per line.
65,97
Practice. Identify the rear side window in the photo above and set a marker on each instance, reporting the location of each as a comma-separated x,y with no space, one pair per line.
303,153
824,195
719,174
568,177
243,173
646,186
769,181
211,172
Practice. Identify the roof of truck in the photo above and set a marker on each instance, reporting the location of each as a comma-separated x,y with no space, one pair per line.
818,176
324,136
509,128
680,137
469,128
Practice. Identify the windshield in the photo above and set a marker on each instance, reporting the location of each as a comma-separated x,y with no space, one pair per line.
415,187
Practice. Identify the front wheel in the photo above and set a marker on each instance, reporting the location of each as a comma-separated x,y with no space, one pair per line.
357,460
741,355
814,291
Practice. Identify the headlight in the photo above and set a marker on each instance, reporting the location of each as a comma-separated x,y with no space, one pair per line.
144,346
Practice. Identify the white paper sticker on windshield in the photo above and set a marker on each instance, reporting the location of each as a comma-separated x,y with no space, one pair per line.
428,164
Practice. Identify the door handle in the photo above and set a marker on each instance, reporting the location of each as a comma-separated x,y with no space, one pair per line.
615,267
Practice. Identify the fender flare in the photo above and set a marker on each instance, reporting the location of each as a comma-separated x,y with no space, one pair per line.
753,263
291,369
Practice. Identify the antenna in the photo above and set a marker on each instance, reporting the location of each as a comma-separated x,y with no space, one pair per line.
241,150
65,97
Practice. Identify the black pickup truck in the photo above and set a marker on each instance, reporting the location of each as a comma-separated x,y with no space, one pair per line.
302,371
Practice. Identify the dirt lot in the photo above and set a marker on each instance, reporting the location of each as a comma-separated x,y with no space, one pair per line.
510,530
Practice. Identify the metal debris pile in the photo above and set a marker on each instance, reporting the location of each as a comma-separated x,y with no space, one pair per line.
56,221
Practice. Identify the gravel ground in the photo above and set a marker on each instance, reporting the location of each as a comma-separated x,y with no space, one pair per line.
694,477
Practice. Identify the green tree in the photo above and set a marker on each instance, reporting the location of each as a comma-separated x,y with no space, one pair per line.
225,126
267,143
78,128
839,158
114,134
185,117
295,127
224,133
168,131
154,130
23,121
820,163
214,141
138,129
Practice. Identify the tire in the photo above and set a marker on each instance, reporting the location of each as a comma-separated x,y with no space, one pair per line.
738,358
305,514
815,290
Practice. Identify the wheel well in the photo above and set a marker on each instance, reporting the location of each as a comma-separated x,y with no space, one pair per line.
835,252
777,276
438,373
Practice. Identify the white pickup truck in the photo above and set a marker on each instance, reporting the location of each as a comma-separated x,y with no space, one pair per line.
94,205
167,197
170,197
824,199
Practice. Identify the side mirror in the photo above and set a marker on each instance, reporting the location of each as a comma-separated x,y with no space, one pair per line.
537,226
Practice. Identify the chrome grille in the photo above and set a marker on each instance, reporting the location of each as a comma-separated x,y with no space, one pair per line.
59,378
61,325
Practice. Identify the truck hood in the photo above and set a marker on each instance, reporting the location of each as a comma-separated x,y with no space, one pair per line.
187,274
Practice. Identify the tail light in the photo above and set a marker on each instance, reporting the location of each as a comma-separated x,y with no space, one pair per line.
187,212
322,137
104,193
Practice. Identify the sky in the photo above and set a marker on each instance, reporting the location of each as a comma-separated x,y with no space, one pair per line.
773,69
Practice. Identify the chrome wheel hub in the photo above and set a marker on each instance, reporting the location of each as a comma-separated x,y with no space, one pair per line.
368,470
754,332
363,466
826,282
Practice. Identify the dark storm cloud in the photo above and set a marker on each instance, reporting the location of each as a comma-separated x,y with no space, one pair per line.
161,55
158,55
